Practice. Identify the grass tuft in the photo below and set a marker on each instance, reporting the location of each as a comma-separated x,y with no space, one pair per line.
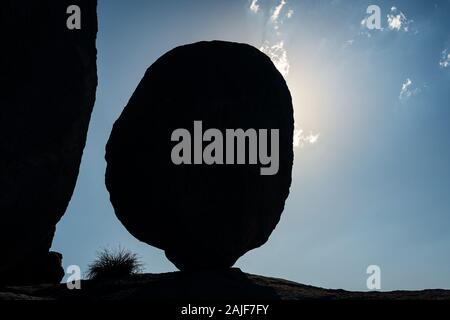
114,264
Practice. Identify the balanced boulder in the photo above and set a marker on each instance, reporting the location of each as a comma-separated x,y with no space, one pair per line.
204,213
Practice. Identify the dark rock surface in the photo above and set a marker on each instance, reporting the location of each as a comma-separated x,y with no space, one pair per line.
231,284
37,268
203,216
48,76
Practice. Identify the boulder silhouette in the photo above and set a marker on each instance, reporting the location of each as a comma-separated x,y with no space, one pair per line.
203,216
49,79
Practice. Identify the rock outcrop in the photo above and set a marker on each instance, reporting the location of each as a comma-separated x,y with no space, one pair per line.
216,285
203,216
49,78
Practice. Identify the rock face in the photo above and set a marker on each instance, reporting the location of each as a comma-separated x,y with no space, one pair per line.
203,216
49,79
36,269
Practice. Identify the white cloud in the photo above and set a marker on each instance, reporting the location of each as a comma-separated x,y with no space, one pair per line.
254,6
274,47
312,138
301,139
290,13
407,90
397,20
276,12
274,44
405,87
278,54
445,59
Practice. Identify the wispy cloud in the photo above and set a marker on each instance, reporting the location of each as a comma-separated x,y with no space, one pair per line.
278,54
397,20
405,88
301,139
254,6
407,91
275,48
364,22
274,43
290,13
445,59
276,11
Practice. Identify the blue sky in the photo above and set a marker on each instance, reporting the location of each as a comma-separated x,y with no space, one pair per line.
371,178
